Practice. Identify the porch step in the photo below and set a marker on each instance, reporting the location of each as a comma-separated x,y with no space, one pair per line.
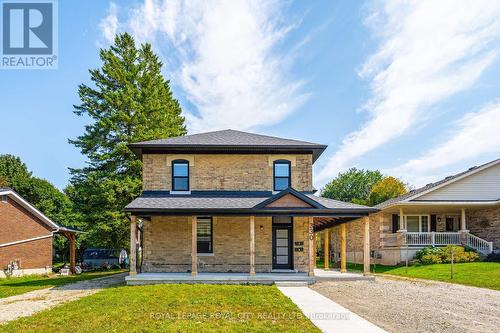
291,283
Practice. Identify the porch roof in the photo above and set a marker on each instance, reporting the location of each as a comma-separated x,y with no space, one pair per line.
241,203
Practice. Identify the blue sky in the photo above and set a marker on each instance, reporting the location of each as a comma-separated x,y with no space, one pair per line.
410,88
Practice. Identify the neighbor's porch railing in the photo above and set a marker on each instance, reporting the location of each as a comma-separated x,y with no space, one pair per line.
432,238
448,238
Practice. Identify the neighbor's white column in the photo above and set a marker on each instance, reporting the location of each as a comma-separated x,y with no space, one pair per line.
463,226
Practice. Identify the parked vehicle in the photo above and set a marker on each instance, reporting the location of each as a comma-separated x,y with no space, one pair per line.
103,258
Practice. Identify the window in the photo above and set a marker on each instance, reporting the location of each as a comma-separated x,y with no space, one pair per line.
3,198
281,175
204,235
417,223
180,175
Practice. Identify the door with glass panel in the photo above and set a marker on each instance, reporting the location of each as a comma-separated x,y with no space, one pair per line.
282,243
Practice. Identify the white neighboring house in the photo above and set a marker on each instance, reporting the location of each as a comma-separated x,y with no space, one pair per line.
462,209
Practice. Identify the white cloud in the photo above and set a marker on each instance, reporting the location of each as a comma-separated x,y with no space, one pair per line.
429,50
474,134
109,24
225,57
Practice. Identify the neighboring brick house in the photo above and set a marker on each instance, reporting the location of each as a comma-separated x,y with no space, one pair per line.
461,209
26,236
229,201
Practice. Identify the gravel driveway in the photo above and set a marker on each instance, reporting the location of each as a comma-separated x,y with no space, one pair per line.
399,305
34,301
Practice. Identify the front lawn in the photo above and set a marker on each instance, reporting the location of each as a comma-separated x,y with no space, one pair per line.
23,284
172,308
476,274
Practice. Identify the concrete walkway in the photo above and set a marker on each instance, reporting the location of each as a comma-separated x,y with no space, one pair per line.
327,315
34,301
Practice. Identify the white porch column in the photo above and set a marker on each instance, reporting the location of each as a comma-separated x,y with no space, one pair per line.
402,224
366,247
252,245
133,245
463,226
194,246
310,245
343,236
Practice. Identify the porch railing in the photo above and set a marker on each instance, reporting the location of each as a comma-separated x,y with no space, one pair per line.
432,238
479,244
448,238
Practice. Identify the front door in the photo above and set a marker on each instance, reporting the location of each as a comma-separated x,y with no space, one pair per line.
282,245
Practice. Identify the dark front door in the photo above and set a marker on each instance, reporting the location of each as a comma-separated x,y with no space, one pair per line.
282,246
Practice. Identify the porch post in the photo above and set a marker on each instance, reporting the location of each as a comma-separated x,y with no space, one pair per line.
366,247
71,239
314,250
343,264
463,226
194,246
310,241
252,245
327,249
133,245
402,225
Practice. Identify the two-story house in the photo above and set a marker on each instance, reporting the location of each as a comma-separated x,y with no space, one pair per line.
229,201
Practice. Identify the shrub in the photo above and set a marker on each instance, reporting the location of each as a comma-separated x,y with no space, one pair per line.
438,255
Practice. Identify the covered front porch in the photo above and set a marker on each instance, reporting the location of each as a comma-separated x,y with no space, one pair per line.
436,224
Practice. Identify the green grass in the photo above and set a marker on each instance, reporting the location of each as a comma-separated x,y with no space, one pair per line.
476,274
172,308
23,284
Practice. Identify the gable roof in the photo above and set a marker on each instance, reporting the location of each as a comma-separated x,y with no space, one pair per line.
229,141
290,191
414,194
33,210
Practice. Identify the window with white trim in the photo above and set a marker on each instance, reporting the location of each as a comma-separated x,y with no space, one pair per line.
417,223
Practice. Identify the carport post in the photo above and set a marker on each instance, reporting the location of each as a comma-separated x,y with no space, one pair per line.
327,250
310,242
71,238
194,246
366,247
343,264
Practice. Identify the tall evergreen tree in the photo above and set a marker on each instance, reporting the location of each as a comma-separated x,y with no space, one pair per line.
129,101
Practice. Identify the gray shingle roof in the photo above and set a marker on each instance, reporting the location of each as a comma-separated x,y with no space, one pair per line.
245,200
227,141
225,138
430,186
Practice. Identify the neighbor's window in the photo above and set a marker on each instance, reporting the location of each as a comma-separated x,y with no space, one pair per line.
204,235
417,223
281,175
180,175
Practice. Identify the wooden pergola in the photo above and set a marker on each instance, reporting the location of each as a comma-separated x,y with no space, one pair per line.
70,234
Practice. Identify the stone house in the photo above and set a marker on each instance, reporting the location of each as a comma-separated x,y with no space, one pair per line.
26,237
228,202
463,209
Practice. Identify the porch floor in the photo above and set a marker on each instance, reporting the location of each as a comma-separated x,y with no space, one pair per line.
244,278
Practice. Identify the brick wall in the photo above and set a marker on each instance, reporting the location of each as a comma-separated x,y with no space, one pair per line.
18,224
235,172
167,245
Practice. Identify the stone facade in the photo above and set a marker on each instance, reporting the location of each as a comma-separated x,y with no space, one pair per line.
485,223
18,224
235,172
167,245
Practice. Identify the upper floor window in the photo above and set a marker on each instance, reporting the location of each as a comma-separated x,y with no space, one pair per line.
281,175
180,175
